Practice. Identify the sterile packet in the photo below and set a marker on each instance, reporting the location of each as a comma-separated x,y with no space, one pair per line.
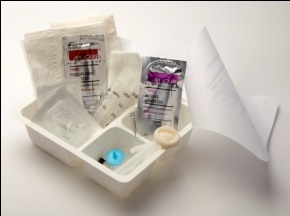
63,116
45,55
73,85
44,52
84,56
161,90
110,31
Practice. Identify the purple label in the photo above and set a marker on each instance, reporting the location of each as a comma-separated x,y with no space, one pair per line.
162,77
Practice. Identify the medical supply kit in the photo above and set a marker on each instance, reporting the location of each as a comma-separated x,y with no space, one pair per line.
112,111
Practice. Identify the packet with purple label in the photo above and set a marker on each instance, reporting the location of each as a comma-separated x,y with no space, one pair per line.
161,90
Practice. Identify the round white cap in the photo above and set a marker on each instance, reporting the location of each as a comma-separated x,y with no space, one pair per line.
166,137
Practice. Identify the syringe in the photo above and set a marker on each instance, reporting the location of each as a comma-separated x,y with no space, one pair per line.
115,101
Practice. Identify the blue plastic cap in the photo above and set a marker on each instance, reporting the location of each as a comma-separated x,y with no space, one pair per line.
115,157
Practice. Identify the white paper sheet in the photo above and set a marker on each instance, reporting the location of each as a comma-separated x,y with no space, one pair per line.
216,105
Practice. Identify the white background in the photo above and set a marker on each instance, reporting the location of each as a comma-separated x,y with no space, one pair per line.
211,175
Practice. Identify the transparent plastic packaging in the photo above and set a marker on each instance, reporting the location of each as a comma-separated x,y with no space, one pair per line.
73,85
123,91
116,100
63,116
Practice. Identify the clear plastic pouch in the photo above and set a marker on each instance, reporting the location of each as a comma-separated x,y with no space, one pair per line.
63,116
73,86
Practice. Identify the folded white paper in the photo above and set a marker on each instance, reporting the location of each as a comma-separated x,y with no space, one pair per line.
216,105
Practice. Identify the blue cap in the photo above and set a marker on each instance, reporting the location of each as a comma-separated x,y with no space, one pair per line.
115,157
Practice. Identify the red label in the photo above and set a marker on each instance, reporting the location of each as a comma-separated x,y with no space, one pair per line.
77,55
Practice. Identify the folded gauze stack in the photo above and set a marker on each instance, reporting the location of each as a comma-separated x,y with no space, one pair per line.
125,67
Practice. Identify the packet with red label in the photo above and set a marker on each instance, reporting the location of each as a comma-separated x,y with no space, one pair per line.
85,57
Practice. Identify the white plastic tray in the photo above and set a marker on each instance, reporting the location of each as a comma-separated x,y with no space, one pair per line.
89,152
